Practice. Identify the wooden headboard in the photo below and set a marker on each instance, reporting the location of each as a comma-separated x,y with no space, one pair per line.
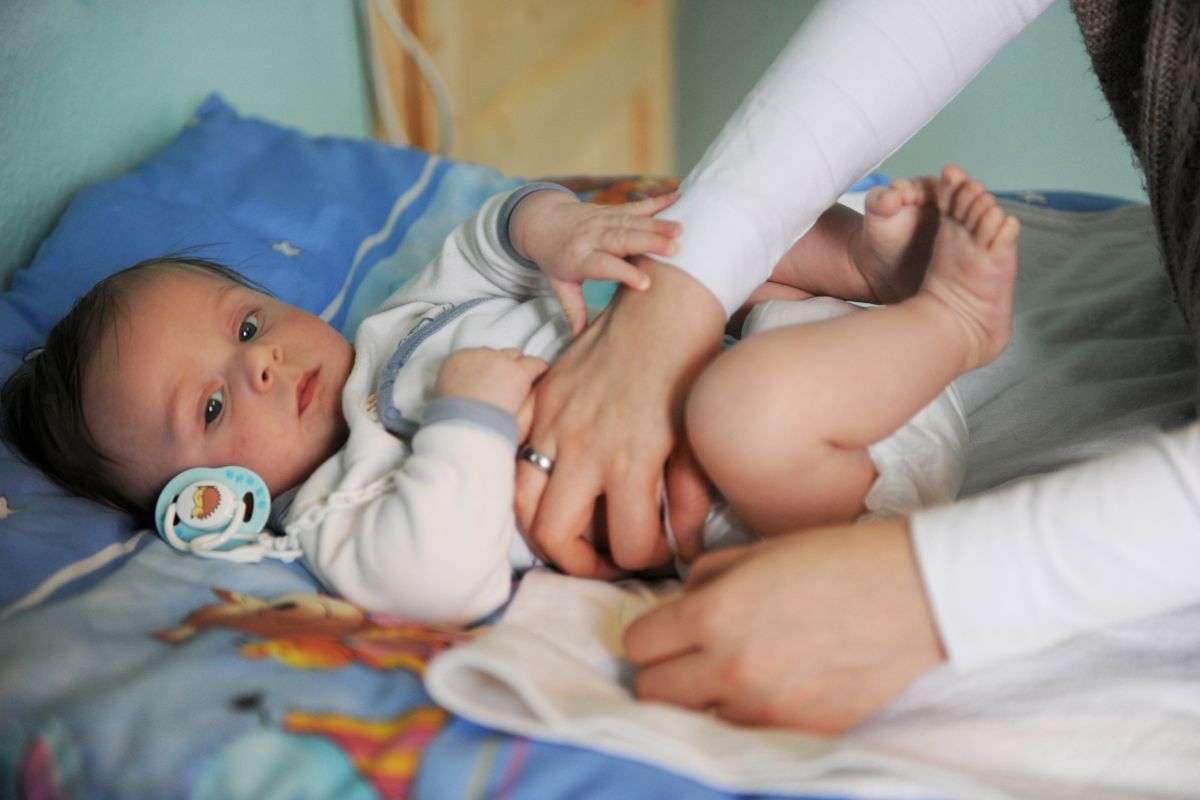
542,87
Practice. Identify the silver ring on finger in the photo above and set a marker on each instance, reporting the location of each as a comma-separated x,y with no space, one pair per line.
543,462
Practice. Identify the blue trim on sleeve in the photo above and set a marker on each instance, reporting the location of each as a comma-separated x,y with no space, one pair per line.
506,212
476,413
389,415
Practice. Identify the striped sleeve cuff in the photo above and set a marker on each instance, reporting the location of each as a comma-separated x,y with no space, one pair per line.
475,413
506,212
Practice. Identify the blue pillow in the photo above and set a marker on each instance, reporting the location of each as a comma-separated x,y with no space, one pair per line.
329,224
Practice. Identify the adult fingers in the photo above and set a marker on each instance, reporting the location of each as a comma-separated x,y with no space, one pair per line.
527,496
562,519
690,499
666,631
634,511
687,680
713,565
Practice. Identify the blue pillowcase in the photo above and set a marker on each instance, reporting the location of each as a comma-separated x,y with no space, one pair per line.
329,224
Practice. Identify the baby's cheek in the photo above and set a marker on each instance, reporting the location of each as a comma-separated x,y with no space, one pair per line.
261,452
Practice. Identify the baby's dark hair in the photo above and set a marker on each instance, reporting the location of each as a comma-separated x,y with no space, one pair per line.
42,401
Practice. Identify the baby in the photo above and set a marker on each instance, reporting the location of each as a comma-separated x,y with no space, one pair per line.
402,447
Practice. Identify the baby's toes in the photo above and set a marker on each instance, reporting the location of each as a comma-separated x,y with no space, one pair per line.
883,201
924,190
1006,236
953,178
978,208
990,224
963,198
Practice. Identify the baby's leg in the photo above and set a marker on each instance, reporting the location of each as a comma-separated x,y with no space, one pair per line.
877,257
782,421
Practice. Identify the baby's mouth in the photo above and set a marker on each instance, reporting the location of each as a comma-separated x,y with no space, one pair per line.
306,390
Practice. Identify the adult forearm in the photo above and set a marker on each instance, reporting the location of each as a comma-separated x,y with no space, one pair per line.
1035,563
857,79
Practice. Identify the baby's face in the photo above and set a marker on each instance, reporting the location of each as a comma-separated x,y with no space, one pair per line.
201,372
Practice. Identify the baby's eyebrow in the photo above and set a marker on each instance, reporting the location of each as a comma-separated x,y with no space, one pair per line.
228,299
177,413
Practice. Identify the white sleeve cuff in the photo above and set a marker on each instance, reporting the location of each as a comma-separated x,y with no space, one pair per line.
1039,561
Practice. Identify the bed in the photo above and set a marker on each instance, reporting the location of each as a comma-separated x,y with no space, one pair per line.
127,670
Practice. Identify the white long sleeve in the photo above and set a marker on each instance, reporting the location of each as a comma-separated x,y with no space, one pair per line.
857,80
1037,562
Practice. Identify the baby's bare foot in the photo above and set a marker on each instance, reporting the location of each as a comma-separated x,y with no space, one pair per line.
897,237
974,264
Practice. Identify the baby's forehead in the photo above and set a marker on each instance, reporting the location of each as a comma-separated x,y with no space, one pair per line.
184,294
172,300
177,276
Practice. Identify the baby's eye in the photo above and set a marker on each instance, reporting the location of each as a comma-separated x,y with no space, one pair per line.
248,329
212,409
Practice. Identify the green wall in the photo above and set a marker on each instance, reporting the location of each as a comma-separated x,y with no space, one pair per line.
90,87
1033,119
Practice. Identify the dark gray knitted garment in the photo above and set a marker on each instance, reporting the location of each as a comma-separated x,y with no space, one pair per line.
1146,54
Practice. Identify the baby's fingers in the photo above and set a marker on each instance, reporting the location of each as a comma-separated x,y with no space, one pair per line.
650,205
635,237
604,267
574,305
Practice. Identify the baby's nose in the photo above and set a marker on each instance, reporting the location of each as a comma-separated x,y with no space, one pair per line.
264,365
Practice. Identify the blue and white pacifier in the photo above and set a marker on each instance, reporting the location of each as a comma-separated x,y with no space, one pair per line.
220,513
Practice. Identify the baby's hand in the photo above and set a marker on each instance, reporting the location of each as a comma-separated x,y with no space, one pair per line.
503,378
572,241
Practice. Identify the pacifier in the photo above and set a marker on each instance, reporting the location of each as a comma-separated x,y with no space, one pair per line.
221,513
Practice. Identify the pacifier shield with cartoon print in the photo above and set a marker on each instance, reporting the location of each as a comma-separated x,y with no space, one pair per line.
217,511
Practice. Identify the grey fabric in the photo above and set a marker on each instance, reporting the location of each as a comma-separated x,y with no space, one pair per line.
1146,54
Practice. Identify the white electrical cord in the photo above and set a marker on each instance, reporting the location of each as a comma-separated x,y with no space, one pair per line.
429,71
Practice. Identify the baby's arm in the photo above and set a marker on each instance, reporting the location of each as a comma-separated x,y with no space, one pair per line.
502,378
572,242
536,238
426,532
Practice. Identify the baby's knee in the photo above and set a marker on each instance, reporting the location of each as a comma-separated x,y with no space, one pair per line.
729,412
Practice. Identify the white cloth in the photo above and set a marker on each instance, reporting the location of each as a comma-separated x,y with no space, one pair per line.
1115,715
554,668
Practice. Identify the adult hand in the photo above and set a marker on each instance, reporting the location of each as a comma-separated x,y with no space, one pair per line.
814,630
608,412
